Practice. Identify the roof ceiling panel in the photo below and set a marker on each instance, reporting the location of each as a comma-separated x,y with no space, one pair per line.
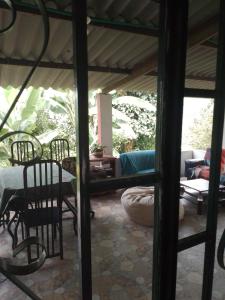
106,47
202,10
199,84
201,61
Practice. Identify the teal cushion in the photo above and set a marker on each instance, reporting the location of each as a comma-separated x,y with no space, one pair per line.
146,171
137,161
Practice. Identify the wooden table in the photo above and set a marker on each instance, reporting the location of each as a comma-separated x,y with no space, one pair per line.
198,189
106,163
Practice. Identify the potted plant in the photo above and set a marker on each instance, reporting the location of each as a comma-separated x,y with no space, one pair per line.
97,150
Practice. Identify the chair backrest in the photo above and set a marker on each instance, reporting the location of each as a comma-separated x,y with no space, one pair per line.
43,195
21,152
59,149
43,180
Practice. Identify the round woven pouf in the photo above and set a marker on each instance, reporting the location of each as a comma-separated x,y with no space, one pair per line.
138,202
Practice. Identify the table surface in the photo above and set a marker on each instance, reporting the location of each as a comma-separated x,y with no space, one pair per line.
11,180
199,185
103,158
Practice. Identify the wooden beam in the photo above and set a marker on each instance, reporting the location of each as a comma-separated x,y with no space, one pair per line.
199,93
197,35
187,76
63,66
200,78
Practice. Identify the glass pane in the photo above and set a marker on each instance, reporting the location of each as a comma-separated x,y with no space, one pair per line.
195,163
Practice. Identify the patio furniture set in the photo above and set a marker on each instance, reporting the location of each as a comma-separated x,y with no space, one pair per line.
33,190
32,193
138,202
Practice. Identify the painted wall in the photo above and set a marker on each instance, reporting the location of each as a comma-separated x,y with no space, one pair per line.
104,110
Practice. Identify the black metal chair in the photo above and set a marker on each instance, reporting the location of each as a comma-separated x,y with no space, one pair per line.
9,268
4,219
39,210
69,164
22,152
59,149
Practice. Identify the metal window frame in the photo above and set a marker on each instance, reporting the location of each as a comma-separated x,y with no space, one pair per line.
79,26
171,82
171,91
216,146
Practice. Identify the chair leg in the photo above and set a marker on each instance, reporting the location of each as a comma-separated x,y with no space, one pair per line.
5,219
55,231
75,224
22,230
61,239
27,229
7,216
13,235
15,232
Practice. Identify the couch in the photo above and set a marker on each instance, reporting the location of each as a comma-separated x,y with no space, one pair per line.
137,162
200,168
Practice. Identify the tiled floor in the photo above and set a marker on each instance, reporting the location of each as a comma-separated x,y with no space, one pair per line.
121,257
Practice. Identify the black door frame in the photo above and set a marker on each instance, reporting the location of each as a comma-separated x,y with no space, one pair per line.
171,91
80,58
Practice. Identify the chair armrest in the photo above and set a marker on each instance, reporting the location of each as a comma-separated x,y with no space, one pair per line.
192,163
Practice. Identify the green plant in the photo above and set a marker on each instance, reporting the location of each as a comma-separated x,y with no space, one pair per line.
200,132
96,147
134,122
23,117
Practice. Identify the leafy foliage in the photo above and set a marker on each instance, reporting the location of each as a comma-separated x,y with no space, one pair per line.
200,133
96,147
23,117
59,118
49,114
135,129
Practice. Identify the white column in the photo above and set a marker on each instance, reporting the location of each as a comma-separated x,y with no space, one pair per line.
104,111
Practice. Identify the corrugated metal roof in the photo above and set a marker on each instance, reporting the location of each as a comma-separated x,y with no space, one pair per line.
106,47
201,62
142,12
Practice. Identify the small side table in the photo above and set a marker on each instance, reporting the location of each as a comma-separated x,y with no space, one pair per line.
196,188
106,163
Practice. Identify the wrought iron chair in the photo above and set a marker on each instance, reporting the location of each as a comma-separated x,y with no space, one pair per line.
40,209
4,219
9,268
21,152
69,164
59,149
24,150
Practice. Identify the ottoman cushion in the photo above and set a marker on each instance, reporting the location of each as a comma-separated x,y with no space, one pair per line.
139,205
